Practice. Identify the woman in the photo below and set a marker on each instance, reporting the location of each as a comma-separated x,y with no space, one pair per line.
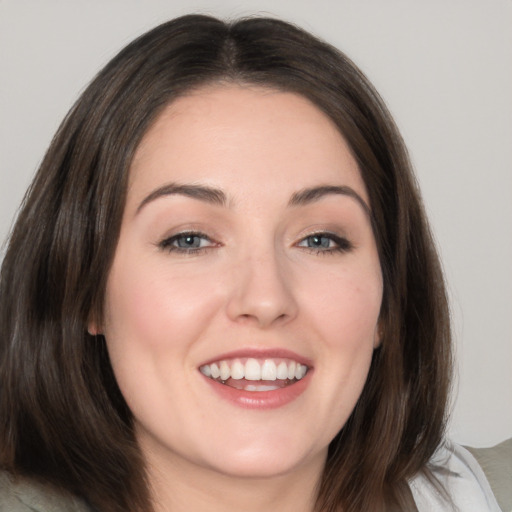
222,291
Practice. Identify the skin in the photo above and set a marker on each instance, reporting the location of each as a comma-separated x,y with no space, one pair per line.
254,283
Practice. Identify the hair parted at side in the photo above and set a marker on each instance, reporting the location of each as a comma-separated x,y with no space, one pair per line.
63,419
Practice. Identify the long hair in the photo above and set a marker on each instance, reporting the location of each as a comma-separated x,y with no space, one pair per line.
63,419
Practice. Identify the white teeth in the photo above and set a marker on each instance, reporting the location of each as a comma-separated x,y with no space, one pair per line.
300,371
225,371
255,387
215,371
269,370
237,370
282,371
252,370
291,370
206,370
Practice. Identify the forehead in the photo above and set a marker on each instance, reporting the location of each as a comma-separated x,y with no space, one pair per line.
243,135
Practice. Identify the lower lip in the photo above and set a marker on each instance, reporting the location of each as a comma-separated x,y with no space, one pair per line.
260,399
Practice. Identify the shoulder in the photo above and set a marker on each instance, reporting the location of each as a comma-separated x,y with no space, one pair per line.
24,496
496,462
455,474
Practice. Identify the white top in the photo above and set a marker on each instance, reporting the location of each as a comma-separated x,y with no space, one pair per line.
461,476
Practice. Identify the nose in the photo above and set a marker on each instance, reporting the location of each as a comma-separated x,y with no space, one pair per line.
262,291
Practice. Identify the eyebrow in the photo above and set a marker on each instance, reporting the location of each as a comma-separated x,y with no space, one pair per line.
201,192
218,197
310,195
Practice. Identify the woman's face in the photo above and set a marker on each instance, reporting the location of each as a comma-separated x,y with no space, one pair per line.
243,302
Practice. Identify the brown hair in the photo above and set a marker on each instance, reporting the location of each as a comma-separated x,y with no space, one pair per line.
63,419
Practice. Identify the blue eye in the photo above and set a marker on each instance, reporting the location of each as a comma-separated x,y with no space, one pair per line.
318,242
325,242
186,242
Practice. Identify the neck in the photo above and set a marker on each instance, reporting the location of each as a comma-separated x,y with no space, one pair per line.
182,486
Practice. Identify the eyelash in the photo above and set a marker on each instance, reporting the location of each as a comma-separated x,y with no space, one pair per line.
167,244
342,245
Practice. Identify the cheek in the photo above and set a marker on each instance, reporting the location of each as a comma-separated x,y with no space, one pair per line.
349,323
153,319
153,309
347,307
346,315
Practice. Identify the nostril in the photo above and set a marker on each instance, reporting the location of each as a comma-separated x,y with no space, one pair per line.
261,295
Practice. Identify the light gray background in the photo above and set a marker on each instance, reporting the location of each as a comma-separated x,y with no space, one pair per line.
445,69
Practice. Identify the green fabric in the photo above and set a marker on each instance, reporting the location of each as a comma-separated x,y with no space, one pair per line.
497,465
23,496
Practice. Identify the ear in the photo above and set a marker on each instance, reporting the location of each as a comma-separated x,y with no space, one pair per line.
93,327
378,335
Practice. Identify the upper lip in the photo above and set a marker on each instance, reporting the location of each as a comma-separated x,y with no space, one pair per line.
260,353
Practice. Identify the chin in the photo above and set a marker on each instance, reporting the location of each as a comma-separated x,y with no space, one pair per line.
263,467
267,460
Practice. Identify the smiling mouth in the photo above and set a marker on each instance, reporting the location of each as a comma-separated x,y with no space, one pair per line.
257,375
